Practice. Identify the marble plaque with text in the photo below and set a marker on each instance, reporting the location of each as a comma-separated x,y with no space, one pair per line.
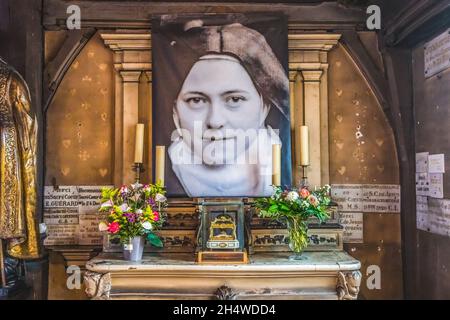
422,213
437,54
439,216
71,213
382,198
353,223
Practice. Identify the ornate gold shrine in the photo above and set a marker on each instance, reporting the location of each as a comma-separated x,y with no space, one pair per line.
223,228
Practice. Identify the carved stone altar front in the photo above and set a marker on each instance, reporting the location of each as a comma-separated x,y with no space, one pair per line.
322,275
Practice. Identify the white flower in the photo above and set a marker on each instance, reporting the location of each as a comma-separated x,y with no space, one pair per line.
292,196
124,207
147,225
139,211
102,227
107,204
137,186
160,198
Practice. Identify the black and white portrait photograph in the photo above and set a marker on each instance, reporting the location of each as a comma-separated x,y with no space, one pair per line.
224,80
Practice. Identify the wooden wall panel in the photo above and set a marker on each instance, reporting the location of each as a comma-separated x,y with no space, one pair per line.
432,118
80,119
363,151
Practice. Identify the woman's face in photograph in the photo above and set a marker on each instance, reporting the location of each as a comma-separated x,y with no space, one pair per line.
219,95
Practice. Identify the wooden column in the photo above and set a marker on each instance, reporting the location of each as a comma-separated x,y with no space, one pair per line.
130,119
308,57
311,84
132,58
149,126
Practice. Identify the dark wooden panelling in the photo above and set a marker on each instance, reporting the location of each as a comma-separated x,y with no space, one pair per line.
432,118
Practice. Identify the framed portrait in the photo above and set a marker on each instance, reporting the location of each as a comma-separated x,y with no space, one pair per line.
220,101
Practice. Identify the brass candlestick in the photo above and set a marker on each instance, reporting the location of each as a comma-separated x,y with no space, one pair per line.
138,168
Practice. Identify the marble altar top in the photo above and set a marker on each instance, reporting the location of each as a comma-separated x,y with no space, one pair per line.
313,261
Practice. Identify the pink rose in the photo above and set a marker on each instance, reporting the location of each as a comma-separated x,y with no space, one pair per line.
156,215
123,190
113,227
304,193
313,200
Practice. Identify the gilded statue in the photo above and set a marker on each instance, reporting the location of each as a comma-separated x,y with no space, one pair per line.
18,132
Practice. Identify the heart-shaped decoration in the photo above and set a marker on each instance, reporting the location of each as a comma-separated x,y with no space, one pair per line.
342,170
102,66
65,171
339,118
380,168
104,116
339,92
75,65
379,142
340,145
66,143
356,102
104,91
104,144
73,91
91,54
103,172
338,64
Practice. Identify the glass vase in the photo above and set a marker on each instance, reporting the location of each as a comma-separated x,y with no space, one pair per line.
298,237
133,249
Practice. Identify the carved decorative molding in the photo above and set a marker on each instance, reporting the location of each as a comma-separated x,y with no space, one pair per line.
130,76
225,293
348,285
312,75
319,41
127,41
98,285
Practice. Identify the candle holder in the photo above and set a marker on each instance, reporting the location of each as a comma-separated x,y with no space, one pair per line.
303,183
138,168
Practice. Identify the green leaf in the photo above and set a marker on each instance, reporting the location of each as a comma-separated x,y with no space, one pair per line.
154,240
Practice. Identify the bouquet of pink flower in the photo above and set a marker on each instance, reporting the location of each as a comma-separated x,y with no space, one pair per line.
294,207
133,211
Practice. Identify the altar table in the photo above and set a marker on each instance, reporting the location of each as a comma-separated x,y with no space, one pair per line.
322,275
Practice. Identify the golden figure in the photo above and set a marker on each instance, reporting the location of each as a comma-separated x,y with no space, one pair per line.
18,141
